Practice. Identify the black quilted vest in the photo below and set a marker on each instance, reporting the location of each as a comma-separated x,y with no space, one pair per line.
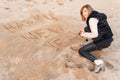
104,31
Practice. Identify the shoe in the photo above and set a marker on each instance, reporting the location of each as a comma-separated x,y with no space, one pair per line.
99,68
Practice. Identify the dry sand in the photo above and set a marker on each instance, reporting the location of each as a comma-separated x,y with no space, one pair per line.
36,38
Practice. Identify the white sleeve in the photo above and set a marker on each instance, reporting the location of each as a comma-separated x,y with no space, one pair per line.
93,27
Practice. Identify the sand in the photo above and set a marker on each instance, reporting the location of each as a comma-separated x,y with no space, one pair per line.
36,37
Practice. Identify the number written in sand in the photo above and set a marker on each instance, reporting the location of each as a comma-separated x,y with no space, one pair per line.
61,41
36,34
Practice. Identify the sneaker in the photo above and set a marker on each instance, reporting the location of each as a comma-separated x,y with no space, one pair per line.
99,68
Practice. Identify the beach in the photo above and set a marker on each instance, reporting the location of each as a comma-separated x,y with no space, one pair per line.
39,40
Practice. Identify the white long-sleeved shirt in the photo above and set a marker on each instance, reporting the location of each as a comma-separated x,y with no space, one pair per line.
93,27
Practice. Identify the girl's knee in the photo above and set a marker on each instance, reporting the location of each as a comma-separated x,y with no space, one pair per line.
81,51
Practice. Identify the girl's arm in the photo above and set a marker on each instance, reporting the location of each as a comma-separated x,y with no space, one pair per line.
93,27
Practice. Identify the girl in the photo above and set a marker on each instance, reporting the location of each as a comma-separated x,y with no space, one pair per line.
98,29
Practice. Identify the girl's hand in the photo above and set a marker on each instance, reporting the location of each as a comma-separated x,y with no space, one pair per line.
81,31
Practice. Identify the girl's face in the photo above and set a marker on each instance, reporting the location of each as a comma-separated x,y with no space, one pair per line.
85,13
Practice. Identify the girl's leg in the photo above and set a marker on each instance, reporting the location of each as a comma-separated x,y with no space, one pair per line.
85,51
104,44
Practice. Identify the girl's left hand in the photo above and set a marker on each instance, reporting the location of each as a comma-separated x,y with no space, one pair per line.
81,31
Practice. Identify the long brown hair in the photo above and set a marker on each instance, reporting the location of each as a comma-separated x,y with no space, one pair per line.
90,9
